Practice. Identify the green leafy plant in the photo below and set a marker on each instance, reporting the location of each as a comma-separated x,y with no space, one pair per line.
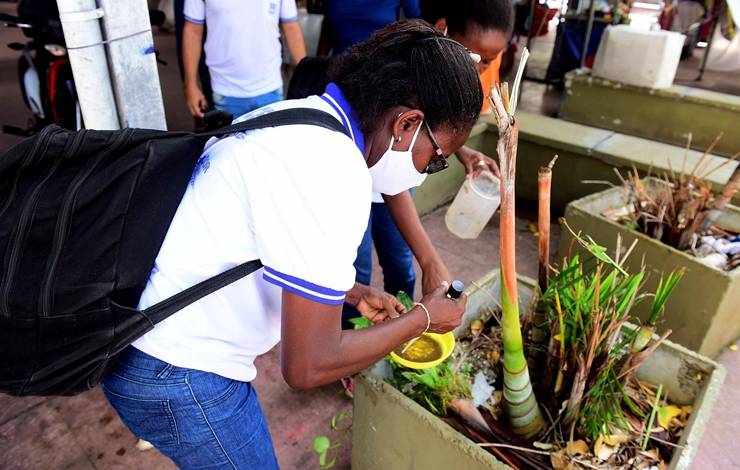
323,445
361,323
432,388
590,302
664,290
405,300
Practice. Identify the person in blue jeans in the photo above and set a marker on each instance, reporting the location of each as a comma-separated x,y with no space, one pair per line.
243,52
193,417
404,101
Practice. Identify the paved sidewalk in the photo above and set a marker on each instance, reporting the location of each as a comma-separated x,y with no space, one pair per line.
84,433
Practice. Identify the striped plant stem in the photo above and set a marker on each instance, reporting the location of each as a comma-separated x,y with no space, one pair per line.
525,417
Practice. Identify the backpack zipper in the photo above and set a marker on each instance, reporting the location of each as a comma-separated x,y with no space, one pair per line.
43,139
64,219
73,149
20,235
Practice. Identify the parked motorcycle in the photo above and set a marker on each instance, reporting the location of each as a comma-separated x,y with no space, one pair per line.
44,74
44,71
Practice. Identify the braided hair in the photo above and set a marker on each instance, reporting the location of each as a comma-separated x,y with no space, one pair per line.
409,63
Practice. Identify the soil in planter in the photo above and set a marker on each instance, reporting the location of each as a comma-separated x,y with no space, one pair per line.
479,351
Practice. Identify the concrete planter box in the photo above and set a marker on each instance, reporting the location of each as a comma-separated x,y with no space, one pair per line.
391,431
704,311
667,115
586,153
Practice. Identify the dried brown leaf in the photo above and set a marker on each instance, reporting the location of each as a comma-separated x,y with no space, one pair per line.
560,461
578,447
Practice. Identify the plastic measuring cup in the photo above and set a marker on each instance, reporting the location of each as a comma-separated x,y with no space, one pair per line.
474,205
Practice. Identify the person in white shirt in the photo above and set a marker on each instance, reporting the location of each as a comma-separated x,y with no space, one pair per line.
243,52
296,197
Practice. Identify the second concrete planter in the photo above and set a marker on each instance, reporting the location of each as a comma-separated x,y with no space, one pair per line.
704,311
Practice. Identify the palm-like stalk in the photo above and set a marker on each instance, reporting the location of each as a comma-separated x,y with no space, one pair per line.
521,405
544,185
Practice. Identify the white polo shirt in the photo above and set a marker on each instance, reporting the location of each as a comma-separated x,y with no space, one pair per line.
298,198
243,50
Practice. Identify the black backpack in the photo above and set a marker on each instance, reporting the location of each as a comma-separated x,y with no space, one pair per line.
82,218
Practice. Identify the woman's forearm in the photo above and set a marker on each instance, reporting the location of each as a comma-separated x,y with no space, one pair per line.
317,352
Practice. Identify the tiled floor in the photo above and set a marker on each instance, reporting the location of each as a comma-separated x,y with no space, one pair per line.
83,432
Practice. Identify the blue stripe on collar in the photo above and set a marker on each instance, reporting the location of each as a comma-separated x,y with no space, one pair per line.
334,96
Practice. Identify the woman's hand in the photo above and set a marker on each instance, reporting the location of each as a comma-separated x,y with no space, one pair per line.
445,313
374,304
475,162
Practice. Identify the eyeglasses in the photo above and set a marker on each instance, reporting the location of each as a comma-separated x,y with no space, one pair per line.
438,161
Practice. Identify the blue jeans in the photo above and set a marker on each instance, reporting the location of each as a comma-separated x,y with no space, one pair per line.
394,256
197,419
240,106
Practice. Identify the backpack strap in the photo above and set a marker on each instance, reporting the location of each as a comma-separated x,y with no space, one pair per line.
159,311
283,117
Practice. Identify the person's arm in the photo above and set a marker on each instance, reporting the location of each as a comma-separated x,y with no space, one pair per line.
192,45
403,211
294,40
314,350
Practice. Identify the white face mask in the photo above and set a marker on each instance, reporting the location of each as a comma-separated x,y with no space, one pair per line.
395,172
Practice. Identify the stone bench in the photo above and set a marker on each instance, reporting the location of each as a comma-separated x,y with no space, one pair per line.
666,115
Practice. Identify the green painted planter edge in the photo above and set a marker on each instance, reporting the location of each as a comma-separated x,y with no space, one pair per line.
682,92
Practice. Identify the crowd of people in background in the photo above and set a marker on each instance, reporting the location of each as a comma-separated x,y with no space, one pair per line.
244,53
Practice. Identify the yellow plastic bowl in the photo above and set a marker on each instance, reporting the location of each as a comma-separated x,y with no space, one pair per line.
445,341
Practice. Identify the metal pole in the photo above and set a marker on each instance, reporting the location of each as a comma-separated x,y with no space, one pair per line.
704,59
86,52
532,11
589,27
133,63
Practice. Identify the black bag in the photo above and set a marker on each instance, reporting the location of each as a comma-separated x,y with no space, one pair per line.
82,217
309,77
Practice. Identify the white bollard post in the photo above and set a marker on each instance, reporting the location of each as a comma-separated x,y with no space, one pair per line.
133,63
86,52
